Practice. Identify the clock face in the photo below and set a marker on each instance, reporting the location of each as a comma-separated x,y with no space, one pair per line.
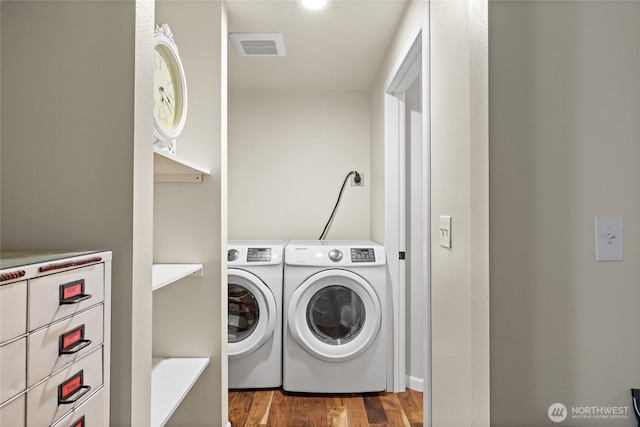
169,90
164,96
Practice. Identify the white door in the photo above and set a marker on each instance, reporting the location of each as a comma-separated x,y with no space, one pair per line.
334,315
252,313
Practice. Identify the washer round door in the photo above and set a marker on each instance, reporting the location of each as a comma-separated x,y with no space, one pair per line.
252,313
335,315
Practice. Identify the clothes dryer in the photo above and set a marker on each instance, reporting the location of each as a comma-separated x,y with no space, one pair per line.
334,338
255,280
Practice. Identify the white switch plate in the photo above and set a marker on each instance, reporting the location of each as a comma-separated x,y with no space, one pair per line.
608,238
445,231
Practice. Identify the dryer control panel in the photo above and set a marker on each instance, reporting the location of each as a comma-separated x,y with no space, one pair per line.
335,253
363,255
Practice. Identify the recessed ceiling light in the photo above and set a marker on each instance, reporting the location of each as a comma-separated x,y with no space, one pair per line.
313,4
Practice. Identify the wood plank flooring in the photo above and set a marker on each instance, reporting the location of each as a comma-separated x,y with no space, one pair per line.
277,408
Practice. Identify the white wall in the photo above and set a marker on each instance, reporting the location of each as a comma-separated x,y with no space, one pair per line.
460,188
565,102
289,152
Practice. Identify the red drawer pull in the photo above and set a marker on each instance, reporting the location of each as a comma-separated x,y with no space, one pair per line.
72,341
67,264
73,292
75,387
82,344
83,390
79,422
75,299
12,275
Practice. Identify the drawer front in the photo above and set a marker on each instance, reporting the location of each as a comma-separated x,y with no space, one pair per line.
89,414
63,342
13,310
82,288
13,413
13,367
43,406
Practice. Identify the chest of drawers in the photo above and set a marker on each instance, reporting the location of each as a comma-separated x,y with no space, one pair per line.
55,318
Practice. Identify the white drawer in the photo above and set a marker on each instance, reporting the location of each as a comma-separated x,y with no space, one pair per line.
43,401
12,413
77,335
89,414
45,294
13,310
13,369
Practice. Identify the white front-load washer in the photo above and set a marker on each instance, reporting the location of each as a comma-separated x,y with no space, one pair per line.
255,280
334,338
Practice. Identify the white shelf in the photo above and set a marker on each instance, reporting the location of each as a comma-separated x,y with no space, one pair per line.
171,168
171,380
165,274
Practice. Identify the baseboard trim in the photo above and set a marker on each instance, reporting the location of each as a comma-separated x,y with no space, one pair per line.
414,383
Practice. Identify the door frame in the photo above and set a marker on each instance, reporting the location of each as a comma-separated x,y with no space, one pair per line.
411,63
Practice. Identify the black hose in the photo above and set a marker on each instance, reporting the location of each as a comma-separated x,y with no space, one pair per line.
335,208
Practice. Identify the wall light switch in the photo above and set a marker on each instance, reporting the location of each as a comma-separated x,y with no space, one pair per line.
608,238
445,231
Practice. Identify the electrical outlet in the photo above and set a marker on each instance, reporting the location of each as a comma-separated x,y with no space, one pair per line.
357,184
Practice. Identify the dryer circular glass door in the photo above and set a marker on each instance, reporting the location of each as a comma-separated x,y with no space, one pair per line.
334,315
252,313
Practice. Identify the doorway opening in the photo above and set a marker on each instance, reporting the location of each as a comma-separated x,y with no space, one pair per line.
407,216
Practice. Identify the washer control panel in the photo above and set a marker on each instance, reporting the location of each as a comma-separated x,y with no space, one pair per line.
258,254
255,252
363,255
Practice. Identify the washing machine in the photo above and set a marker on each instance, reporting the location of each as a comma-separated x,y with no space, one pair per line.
255,281
334,332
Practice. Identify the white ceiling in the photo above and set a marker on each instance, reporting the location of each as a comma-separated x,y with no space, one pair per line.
339,48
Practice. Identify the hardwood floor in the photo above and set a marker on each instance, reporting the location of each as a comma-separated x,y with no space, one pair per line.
277,408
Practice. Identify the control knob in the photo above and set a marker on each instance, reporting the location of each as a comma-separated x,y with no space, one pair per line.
232,254
335,255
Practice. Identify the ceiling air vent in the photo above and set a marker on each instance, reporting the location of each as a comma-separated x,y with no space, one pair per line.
258,44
